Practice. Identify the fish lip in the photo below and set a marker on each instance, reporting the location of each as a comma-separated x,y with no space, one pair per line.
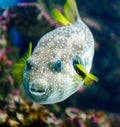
37,91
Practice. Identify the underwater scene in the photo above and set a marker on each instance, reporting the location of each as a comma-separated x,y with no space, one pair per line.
59,63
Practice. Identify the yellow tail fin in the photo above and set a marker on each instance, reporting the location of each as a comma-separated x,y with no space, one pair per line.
70,10
58,16
70,13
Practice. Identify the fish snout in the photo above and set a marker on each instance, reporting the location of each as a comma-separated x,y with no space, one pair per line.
37,88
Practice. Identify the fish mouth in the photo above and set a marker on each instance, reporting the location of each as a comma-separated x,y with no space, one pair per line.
37,91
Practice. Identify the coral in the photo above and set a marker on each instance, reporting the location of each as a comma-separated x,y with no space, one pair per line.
6,77
6,81
26,23
90,118
20,113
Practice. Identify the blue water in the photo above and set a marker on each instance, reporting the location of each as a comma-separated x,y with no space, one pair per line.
8,3
12,3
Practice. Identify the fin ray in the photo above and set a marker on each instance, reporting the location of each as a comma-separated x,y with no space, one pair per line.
58,16
71,10
19,67
88,76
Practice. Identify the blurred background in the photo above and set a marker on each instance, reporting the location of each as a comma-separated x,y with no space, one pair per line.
28,20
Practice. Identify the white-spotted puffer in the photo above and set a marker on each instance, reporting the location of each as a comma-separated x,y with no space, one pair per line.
42,81
59,64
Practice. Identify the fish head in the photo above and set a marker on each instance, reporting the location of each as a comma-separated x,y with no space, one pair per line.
49,75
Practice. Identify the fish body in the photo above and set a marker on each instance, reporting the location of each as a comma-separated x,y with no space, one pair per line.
60,63
45,85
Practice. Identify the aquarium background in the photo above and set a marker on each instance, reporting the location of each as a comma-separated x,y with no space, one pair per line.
95,106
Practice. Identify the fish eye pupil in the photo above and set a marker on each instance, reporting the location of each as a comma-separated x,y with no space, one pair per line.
58,63
58,66
77,60
55,66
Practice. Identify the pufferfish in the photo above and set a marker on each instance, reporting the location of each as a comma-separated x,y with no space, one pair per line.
60,63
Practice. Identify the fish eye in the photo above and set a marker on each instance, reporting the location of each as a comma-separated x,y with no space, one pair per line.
28,65
77,60
57,65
